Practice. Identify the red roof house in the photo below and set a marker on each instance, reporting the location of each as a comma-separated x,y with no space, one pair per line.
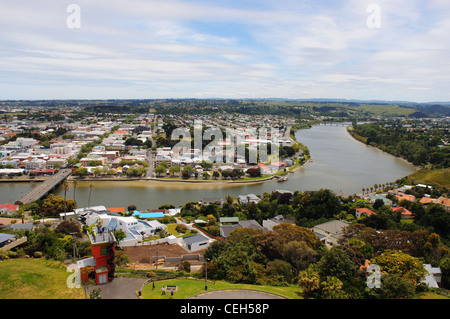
364,211
405,213
8,208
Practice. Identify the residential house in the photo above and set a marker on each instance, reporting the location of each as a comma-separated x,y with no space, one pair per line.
135,229
330,231
364,212
8,209
444,202
374,197
426,200
228,220
268,224
405,214
249,198
208,201
225,230
407,197
195,243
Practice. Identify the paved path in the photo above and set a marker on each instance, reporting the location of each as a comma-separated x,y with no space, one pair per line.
125,288
120,288
236,294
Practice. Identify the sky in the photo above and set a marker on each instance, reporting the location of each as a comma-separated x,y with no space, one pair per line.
152,49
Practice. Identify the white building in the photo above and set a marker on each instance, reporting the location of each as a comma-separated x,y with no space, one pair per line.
136,230
195,242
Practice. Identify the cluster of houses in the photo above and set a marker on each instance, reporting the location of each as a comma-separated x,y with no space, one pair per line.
26,155
400,195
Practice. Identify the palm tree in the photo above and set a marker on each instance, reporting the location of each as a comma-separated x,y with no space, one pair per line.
309,280
89,198
75,184
65,185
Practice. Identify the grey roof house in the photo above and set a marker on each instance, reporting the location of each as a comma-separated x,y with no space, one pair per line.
195,242
225,230
330,232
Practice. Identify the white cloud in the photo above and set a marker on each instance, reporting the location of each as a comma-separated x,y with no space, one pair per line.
283,49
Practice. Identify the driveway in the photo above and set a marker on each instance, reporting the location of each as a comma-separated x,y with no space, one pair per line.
236,294
120,288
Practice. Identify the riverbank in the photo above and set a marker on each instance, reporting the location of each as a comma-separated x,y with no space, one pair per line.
416,168
171,180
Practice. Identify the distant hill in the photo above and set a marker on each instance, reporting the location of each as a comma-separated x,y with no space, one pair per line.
436,109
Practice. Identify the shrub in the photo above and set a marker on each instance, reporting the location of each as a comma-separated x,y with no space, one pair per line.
37,254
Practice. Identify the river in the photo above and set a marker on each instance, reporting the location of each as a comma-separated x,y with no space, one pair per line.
339,163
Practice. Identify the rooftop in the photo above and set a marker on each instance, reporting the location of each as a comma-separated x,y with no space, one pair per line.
195,239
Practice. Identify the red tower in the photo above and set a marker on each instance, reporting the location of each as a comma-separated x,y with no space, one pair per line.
103,250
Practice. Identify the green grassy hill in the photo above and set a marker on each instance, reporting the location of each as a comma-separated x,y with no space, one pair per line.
439,177
25,278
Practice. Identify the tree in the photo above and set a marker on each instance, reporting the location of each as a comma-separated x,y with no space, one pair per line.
394,286
91,187
119,235
335,262
308,280
69,228
174,170
445,268
321,204
206,165
280,270
299,255
270,244
332,288
55,205
395,262
82,171
188,168
254,171
65,186
378,203
160,170
290,232
75,185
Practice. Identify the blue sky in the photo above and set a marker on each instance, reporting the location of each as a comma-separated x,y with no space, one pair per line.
225,49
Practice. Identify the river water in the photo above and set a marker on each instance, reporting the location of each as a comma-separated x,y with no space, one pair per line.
339,163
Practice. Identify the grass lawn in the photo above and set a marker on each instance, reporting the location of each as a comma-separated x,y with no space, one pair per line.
431,295
440,177
189,287
25,278
171,230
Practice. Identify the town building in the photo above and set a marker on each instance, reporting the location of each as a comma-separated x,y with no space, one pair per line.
330,232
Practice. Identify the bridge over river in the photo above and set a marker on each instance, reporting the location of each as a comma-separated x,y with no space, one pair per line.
45,187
